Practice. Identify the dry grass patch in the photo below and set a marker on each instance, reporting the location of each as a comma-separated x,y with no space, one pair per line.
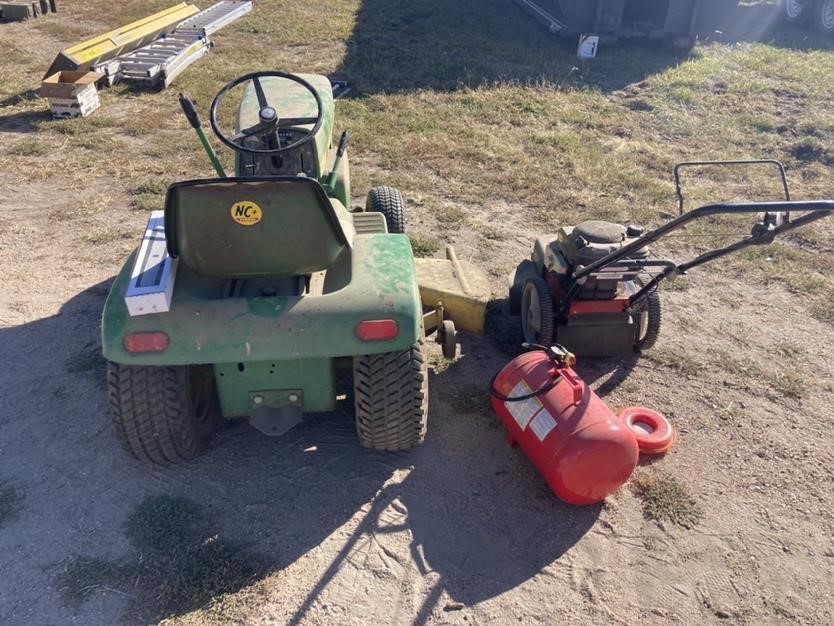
823,309
789,384
424,246
179,564
473,103
667,499
439,363
30,147
676,359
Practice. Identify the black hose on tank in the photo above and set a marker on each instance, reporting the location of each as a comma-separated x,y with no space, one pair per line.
554,358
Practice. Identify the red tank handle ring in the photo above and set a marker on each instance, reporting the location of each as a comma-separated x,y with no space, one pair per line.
654,433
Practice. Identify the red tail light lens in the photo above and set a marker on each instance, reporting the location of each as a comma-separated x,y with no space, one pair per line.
377,330
138,343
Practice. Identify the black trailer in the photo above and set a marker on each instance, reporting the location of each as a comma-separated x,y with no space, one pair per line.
675,20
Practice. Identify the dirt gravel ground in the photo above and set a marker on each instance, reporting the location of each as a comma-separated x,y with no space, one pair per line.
460,531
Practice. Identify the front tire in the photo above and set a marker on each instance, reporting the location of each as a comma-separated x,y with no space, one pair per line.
390,203
164,415
391,395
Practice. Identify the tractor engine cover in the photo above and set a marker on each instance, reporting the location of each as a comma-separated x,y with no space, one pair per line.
582,449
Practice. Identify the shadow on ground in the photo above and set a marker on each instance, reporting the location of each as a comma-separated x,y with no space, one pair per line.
255,505
24,121
445,45
404,45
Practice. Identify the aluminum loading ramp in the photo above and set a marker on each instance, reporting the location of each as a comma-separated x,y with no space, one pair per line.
160,62
542,15
214,18
109,45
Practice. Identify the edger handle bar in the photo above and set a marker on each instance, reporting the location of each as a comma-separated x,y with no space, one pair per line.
783,176
763,233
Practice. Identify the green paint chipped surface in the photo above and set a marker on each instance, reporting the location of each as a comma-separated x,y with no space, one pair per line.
391,263
267,307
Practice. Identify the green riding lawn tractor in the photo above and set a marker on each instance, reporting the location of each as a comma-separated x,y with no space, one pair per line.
263,296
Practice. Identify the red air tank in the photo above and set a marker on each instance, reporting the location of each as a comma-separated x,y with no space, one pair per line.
581,448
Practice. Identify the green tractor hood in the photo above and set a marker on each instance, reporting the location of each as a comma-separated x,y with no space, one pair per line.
293,100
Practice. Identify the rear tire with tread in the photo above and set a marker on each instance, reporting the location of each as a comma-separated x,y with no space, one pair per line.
390,203
391,397
164,415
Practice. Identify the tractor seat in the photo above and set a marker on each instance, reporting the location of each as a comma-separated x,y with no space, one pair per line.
250,227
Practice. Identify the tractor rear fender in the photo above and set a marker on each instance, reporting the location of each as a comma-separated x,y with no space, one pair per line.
382,286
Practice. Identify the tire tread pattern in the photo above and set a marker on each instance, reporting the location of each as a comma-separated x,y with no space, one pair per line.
391,399
390,203
152,414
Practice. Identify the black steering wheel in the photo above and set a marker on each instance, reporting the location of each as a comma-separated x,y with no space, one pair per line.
269,121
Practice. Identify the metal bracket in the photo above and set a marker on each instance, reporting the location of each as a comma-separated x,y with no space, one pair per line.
275,412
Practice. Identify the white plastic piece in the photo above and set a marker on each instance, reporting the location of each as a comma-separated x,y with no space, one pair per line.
588,46
154,272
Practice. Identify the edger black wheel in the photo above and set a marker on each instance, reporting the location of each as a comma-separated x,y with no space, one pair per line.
163,414
537,312
390,203
391,395
648,322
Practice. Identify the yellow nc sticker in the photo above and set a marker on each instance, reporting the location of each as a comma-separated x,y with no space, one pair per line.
246,213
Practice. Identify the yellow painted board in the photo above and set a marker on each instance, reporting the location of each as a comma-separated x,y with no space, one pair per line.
463,289
125,39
